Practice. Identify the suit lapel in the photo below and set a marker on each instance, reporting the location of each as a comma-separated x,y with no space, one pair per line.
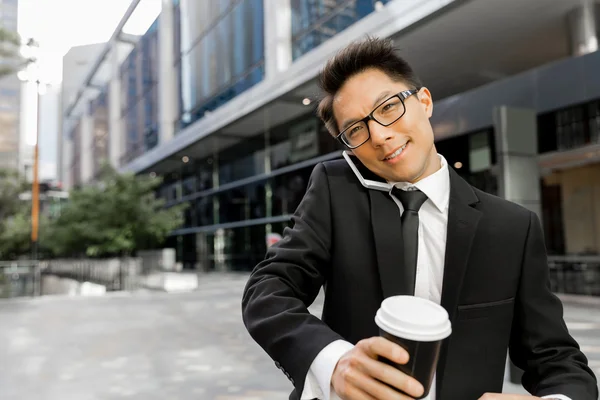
462,225
385,220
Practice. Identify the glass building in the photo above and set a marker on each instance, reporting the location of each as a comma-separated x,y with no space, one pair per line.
139,97
99,113
218,98
221,53
10,96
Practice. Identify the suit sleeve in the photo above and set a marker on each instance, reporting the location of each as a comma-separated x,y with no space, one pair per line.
281,287
540,342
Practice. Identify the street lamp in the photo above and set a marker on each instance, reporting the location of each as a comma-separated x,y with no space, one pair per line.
31,74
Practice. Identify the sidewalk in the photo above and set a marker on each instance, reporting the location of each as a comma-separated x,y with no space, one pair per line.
157,345
579,300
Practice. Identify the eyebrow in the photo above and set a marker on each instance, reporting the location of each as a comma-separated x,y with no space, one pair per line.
381,97
377,101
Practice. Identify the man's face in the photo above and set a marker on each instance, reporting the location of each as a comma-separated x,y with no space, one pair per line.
359,96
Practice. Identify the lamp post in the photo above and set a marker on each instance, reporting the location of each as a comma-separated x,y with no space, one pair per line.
31,74
35,189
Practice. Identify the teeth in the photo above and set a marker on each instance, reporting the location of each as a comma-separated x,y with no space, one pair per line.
396,153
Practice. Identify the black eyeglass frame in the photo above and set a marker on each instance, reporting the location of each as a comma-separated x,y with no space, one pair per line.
405,94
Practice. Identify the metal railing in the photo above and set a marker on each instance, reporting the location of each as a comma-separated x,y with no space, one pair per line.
114,274
575,274
27,278
19,279
568,274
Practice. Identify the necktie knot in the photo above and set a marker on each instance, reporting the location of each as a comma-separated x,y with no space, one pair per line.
410,199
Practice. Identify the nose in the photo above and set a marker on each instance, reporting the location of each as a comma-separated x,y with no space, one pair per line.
379,134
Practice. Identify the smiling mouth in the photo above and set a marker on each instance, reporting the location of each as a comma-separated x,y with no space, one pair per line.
396,153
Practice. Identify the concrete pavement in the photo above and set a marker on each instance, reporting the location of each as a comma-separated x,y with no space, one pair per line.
154,345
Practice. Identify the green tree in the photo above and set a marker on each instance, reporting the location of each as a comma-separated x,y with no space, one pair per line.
14,224
118,215
11,186
15,237
15,217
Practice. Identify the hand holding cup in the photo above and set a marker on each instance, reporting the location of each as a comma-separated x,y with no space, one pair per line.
360,375
419,326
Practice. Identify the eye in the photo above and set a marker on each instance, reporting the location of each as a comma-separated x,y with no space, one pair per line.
389,106
354,130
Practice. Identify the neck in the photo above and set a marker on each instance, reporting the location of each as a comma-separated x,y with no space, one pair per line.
433,165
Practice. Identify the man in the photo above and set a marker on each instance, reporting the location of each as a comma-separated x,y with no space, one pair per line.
482,258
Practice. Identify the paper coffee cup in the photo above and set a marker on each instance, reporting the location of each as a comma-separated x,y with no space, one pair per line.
419,326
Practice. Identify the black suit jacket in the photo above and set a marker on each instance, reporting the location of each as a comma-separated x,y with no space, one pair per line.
495,288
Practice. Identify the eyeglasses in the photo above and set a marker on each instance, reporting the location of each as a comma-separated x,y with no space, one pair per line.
385,114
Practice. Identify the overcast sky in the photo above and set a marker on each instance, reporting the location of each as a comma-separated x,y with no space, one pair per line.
58,25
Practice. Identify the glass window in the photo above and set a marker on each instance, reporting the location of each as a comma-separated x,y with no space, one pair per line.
189,217
315,21
239,65
245,247
188,251
300,140
472,157
243,160
223,53
139,95
288,190
204,210
242,203
204,175
569,128
189,186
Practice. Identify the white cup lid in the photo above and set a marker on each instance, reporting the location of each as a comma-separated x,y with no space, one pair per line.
413,318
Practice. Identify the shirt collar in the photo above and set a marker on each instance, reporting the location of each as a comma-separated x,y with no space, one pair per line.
436,186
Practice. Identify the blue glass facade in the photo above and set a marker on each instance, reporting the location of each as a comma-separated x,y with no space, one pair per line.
222,53
139,99
315,21
233,189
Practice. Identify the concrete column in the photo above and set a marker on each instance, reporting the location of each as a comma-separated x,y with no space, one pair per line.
516,152
167,82
115,134
202,252
278,36
87,141
66,159
583,24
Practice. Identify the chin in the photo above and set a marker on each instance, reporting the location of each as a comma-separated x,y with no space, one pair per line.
402,176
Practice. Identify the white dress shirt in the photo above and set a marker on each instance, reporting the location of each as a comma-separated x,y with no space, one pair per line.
433,222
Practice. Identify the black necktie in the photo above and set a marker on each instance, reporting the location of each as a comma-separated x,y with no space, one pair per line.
411,201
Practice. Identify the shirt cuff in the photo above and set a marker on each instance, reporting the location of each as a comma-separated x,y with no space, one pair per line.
556,396
317,384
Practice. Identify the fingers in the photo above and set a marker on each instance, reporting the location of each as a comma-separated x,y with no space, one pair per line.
379,346
501,396
375,389
355,393
360,373
392,376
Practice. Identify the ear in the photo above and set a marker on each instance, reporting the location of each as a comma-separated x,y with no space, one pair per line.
426,101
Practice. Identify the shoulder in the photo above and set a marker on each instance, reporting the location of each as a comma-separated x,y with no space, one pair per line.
337,176
502,208
336,167
336,171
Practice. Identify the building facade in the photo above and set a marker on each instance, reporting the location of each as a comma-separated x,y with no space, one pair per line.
77,63
10,96
226,113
